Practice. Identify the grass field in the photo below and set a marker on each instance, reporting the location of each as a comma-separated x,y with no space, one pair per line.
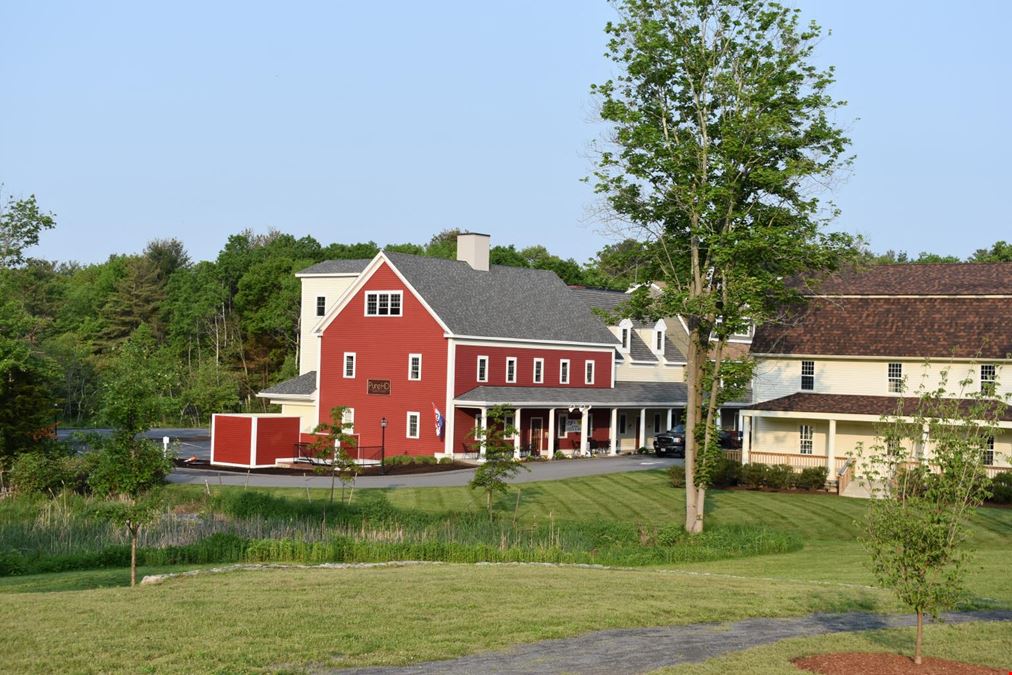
293,619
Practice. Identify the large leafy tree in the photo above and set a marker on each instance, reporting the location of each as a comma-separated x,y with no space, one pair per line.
21,221
722,135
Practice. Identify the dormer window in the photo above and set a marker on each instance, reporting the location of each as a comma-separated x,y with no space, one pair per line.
625,329
659,341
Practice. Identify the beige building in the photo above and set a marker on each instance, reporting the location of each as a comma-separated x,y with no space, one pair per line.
864,346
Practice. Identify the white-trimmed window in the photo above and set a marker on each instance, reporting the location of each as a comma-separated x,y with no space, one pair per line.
509,422
511,369
659,341
348,420
807,375
895,374
321,305
588,371
414,424
987,454
482,369
625,339
564,371
562,423
539,371
657,423
807,435
988,379
349,365
414,366
383,303
621,424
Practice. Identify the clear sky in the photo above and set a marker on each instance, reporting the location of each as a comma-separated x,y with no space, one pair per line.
352,121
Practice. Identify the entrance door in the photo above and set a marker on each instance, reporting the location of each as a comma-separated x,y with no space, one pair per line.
537,434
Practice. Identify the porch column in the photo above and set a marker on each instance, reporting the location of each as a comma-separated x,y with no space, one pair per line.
670,411
831,449
551,433
584,428
484,429
746,438
613,431
516,433
643,428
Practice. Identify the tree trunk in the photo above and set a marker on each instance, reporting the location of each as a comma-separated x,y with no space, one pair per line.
693,517
920,637
133,555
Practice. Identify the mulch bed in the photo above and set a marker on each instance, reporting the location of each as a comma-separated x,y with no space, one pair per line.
849,663
392,470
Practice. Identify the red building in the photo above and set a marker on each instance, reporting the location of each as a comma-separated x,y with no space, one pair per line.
430,344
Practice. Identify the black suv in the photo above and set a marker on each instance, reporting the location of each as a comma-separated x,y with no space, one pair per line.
672,442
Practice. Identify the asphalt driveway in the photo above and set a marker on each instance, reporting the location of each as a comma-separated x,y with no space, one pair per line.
556,470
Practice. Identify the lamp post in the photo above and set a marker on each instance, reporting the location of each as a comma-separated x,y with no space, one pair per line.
383,445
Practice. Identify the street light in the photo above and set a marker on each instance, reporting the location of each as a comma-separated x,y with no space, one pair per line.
383,445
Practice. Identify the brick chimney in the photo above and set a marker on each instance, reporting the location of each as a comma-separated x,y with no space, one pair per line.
472,248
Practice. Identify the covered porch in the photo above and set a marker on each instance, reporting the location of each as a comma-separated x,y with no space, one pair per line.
812,430
573,421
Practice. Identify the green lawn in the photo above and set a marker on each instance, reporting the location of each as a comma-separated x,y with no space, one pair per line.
293,619
243,621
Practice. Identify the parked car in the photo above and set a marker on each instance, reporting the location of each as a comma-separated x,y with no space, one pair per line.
672,441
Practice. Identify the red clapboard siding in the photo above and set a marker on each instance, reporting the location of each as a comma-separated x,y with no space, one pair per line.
466,367
231,439
382,345
276,438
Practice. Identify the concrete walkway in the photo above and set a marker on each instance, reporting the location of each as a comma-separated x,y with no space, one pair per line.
540,471
640,650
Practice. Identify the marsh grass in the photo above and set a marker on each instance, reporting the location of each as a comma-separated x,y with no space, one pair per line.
62,535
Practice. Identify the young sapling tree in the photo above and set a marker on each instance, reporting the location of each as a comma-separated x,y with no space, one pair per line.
495,437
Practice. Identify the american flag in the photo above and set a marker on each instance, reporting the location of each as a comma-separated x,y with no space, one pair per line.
439,420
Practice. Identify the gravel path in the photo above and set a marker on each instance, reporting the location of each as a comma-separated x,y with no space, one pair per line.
639,650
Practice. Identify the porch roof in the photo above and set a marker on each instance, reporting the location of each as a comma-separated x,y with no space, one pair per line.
623,394
873,406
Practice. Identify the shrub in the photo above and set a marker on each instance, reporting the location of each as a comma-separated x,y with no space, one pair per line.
753,475
726,474
780,477
1001,488
397,460
812,478
446,460
36,472
425,459
677,475
561,455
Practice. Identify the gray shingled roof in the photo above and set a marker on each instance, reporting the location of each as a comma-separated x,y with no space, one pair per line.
638,349
506,302
607,300
303,385
672,352
624,393
354,266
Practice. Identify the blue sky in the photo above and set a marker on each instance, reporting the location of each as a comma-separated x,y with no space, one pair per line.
391,121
